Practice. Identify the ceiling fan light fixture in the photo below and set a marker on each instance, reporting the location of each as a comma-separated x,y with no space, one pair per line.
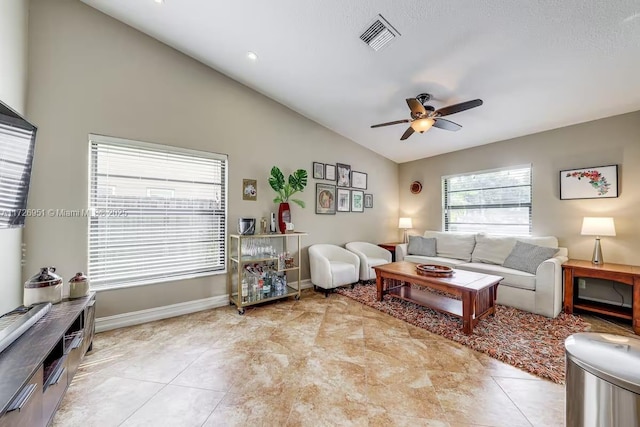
422,125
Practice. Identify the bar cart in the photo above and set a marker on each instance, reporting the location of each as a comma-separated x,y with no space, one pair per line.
261,268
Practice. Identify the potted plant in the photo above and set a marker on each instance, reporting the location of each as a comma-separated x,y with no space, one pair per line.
285,189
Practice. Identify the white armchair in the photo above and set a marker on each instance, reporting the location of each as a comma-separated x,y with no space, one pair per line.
370,256
332,266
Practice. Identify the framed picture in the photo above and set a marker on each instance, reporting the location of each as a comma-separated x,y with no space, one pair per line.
318,170
597,182
359,180
325,199
344,175
344,200
357,201
250,189
368,200
330,172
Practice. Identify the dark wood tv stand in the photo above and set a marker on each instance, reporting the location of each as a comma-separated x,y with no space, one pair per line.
627,274
37,368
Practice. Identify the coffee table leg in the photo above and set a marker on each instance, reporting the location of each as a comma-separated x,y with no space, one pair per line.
379,281
467,313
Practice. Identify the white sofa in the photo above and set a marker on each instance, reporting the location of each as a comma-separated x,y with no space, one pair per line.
539,293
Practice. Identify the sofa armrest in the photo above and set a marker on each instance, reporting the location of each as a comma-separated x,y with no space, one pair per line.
401,251
549,291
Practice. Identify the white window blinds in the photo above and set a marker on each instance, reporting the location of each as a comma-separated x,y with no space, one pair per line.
496,201
157,213
16,157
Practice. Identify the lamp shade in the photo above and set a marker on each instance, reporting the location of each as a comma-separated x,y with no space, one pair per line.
405,223
598,226
422,125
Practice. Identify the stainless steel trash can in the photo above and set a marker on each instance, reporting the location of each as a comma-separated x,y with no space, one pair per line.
603,380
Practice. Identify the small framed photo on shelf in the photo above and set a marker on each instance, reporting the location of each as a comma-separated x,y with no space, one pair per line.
344,175
325,199
318,170
368,201
357,201
597,182
330,172
344,200
359,180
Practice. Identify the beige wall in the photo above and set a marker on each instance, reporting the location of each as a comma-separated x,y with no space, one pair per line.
13,92
91,74
615,140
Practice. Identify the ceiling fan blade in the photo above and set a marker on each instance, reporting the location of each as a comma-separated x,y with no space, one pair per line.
446,124
456,108
407,134
397,122
417,109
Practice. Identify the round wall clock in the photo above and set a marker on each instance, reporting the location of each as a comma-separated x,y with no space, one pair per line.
416,187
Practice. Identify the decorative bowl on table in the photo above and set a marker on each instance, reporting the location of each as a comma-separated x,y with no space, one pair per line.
434,270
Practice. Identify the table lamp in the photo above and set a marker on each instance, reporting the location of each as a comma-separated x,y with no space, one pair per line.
598,226
405,223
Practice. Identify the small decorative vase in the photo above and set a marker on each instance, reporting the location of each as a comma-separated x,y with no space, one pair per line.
284,216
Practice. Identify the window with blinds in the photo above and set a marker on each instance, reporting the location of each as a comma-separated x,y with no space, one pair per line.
157,213
495,201
17,140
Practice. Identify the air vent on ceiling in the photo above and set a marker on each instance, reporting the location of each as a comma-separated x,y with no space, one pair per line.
379,34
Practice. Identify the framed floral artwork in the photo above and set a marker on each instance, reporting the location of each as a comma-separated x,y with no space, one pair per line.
344,175
357,201
250,189
344,200
325,199
597,182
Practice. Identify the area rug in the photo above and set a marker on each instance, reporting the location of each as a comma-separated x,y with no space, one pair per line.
528,341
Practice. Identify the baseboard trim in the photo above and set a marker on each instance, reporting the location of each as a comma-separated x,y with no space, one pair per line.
158,313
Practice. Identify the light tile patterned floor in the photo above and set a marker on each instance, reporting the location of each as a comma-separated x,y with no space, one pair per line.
313,362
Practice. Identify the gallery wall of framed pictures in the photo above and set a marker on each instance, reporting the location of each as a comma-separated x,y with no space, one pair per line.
345,192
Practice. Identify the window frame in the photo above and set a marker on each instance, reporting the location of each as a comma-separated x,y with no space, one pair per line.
445,208
114,141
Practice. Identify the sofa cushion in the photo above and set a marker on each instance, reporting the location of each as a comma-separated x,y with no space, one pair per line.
449,262
527,257
513,278
493,249
419,259
453,245
419,245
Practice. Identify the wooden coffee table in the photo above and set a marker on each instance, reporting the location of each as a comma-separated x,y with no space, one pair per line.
477,291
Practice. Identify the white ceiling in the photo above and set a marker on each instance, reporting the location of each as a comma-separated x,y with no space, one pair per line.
537,65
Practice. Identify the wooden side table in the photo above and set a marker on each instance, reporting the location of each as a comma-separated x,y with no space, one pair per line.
391,247
626,274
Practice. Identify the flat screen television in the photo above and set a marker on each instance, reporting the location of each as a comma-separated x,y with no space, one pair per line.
17,142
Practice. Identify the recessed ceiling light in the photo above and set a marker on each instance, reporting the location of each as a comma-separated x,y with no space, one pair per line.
159,1
252,56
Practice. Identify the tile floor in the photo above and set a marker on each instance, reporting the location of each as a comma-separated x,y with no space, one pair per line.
313,362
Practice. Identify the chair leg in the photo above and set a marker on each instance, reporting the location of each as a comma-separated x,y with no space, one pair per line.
353,285
326,293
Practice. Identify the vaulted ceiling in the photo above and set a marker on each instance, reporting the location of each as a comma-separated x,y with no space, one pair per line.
537,65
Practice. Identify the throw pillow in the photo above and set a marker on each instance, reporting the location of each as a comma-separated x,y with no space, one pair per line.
419,245
527,257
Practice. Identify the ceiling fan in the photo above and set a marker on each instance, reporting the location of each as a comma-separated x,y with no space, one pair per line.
423,117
